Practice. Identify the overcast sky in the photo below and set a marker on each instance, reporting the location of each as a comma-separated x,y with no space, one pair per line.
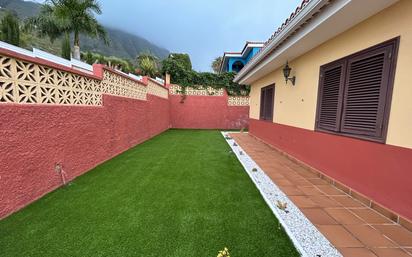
202,28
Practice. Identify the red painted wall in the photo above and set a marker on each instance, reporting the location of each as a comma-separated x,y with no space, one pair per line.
36,137
381,172
207,112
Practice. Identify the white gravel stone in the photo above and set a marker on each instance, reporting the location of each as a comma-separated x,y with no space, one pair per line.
305,236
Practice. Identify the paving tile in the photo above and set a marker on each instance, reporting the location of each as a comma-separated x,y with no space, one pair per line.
371,216
390,252
330,190
309,190
361,198
301,182
291,190
318,216
369,236
282,182
317,181
306,173
347,201
342,187
408,249
405,223
344,216
396,233
384,211
339,236
324,201
303,201
356,252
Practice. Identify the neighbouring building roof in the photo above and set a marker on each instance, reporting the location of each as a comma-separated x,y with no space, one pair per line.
312,23
249,45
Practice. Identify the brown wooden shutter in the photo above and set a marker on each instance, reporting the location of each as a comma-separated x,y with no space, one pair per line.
330,96
365,92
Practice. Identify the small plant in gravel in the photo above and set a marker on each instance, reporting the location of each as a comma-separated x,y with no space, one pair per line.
224,253
254,170
282,206
228,138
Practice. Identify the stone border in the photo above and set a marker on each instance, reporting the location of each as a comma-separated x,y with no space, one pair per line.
305,236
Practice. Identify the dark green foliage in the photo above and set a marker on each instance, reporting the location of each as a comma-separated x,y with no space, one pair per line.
177,195
148,64
111,61
216,64
189,78
10,29
183,59
66,49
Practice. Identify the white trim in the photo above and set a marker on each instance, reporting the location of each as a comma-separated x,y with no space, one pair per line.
140,78
16,49
80,64
51,57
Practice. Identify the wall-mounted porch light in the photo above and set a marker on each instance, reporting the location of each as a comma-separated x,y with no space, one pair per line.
286,73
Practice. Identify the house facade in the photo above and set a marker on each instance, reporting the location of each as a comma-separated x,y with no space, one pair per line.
235,61
348,113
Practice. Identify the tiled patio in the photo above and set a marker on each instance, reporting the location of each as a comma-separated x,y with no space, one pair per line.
354,228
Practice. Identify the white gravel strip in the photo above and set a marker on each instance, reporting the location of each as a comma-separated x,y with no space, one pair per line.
305,236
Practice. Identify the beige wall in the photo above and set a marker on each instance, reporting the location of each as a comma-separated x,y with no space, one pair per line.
296,106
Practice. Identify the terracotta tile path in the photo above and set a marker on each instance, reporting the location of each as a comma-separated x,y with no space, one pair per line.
354,228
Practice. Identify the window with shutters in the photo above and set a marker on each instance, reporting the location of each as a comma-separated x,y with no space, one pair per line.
267,95
355,93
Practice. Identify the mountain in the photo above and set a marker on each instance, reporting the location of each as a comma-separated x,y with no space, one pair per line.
122,44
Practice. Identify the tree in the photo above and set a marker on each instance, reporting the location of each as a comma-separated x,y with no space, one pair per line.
66,50
58,17
216,64
10,29
147,67
148,64
181,59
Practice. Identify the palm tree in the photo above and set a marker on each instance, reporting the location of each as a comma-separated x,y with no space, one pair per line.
10,29
148,64
147,67
58,17
216,64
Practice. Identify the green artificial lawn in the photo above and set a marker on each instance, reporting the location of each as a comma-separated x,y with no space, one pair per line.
180,194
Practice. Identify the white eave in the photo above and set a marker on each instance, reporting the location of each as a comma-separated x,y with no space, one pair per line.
316,23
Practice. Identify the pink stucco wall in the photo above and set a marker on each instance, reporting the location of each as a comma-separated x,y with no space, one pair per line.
36,137
207,112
